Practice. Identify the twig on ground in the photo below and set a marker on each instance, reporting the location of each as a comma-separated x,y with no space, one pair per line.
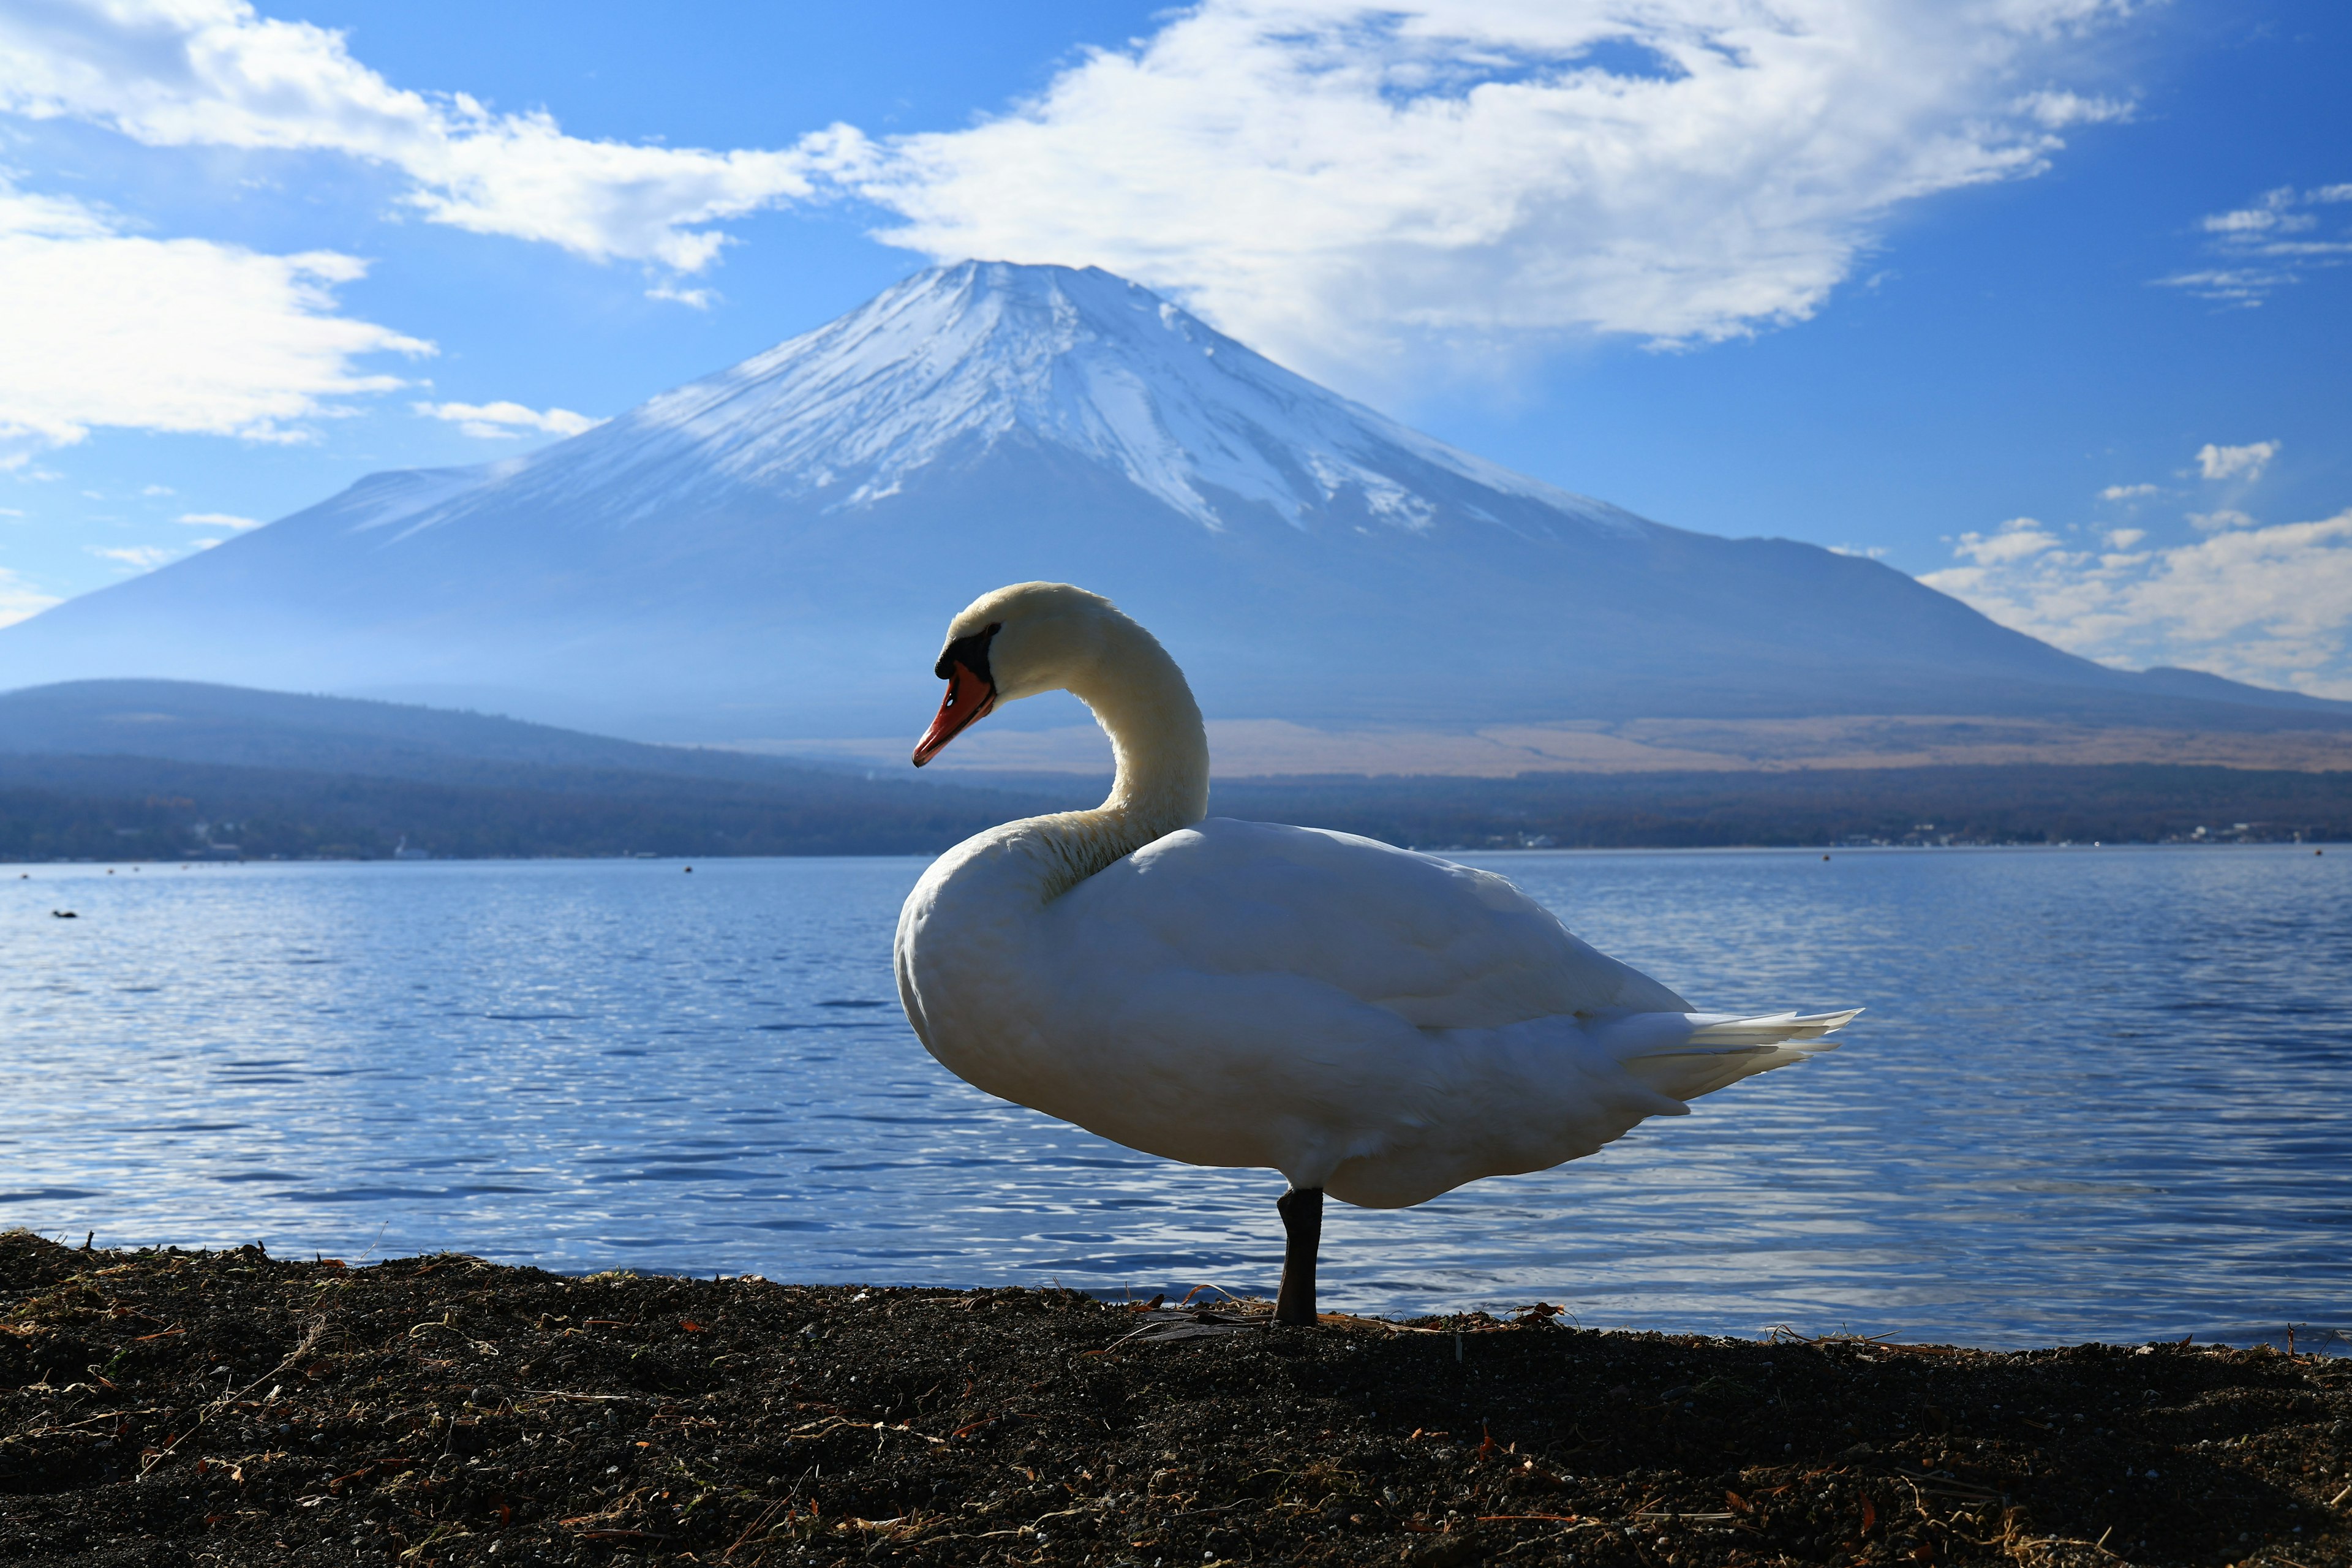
316,1331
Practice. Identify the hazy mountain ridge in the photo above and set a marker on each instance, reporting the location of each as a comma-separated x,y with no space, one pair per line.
149,771
235,726
125,770
770,553
56,805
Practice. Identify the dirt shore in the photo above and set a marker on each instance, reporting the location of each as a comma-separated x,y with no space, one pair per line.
169,1407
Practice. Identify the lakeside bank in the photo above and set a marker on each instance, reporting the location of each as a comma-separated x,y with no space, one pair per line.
165,1407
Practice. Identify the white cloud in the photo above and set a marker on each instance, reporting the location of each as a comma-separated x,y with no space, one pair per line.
696,299
2274,214
1330,179
2127,492
2059,110
100,331
1866,552
219,520
138,557
2125,538
2234,462
2269,604
2266,246
2242,286
159,490
20,600
1333,179
505,420
10,511
180,73
2214,521
2016,540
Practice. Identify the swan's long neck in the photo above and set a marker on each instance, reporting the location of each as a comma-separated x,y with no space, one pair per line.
1158,745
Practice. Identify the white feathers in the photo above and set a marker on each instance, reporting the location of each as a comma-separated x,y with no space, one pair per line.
1383,1025
1685,1054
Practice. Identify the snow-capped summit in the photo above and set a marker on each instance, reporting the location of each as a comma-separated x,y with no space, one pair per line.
957,360
771,553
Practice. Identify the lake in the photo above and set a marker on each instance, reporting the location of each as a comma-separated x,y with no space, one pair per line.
2100,1093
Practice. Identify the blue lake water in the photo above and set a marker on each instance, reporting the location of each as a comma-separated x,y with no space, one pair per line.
2100,1093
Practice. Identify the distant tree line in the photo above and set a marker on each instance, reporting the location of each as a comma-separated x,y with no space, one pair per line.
2118,804
131,808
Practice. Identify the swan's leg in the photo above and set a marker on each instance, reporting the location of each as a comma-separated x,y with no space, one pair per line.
1302,1232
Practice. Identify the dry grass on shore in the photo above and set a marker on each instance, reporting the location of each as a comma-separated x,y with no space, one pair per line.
166,1408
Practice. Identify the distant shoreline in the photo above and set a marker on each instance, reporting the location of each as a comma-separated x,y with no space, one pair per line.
1477,849
134,810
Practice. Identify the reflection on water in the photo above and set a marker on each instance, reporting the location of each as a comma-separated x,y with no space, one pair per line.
2099,1093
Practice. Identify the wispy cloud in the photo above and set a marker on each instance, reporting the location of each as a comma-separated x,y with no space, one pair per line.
20,600
100,331
178,73
1339,181
2274,242
2214,521
217,519
2271,605
2019,539
2058,109
694,298
2245,462
504,421
137,557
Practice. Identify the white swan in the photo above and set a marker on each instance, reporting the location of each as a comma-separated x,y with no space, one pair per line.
1377,1024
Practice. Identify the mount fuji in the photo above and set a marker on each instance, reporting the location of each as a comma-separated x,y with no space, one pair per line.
770,553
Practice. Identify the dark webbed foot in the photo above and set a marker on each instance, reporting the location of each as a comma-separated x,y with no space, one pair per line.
1302,1231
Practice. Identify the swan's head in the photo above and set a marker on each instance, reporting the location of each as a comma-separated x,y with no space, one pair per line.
1014,643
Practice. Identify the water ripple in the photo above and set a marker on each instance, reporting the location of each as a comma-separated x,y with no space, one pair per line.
2099,1094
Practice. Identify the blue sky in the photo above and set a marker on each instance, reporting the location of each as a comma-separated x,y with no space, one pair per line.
2044,300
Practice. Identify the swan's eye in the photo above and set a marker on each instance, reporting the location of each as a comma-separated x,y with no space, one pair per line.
971,652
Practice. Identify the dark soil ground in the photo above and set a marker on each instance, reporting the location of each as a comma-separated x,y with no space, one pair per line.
167,1407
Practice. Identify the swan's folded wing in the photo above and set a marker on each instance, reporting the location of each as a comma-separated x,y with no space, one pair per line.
1445,946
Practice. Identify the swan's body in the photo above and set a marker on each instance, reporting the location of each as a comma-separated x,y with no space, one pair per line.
1381,1024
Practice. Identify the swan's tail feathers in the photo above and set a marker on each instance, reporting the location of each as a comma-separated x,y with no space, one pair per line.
1686,1055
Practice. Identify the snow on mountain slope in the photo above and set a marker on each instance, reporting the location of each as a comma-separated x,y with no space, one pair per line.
771,551
1081,361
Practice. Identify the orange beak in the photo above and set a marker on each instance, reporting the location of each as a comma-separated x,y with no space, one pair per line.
968,700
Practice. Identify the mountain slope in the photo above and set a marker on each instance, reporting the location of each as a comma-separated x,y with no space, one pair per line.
772,552
192,722
124,769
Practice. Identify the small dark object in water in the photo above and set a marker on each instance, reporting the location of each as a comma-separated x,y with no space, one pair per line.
64,915
689,870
